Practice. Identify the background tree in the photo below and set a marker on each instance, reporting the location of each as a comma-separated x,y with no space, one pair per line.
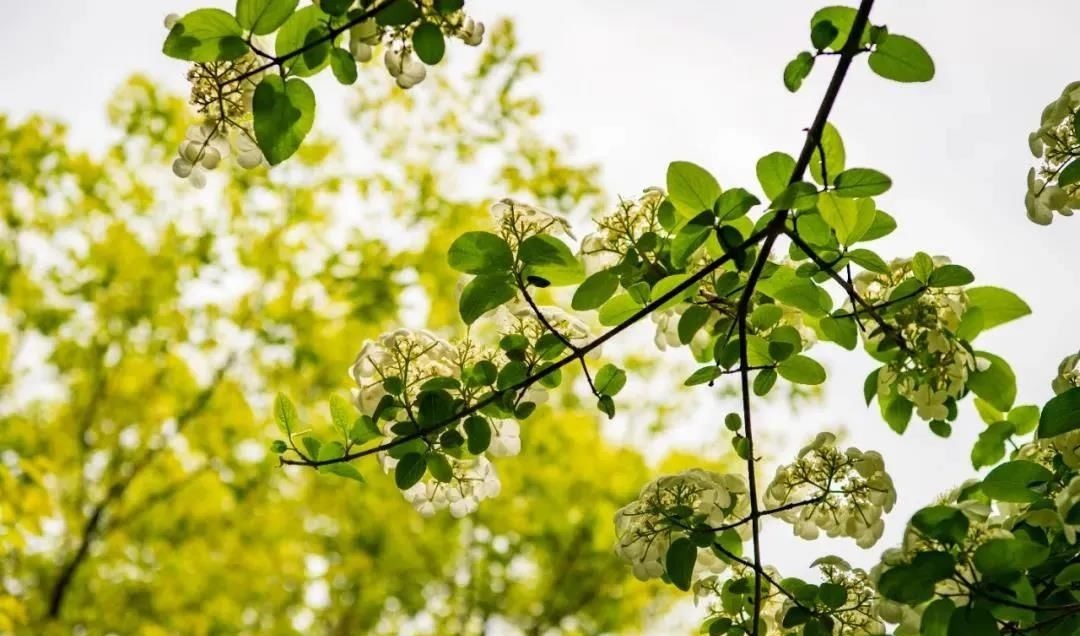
146,325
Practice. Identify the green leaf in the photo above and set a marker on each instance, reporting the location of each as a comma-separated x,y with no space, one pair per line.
364,430
764,381
206,35
595,290
822,34
692,320
440,468
1061,414
409,470
691,188
341,412
285,413
896,411
942,523
796,196
667,284
835,156
1070,174
842,331
868,260
679,562
343,65
989,449
335,7
998,306
264,16
841,19
343,469
997,384
1025,418
882,225
841,214
999,557
774,172
610,379
480,253
805,295
861,182
301,30
972,621
734,204
618,309
951,276
832,595
922,265
333,450
312,446
690,238
914,582
398,13
802,370
428,43
703,375
901,59
448,6
478,431
284,113
484,293
935,618
549,258
797,70
1014,481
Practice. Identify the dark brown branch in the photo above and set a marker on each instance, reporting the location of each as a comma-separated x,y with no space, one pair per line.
92,527
581,351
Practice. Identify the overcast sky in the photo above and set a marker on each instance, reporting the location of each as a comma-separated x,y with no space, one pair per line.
642,83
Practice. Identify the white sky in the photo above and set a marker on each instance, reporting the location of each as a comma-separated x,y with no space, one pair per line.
642,83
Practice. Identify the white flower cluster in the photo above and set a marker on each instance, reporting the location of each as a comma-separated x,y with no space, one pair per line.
408,358
647,526
939,365
410,355
849,492
711,590
516,221
856,614
222,92
474,480
1068,375
1055,144
400,60
620,230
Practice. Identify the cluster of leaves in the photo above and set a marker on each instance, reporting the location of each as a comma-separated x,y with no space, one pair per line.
892,56
102,352
699,259
306,41
999,555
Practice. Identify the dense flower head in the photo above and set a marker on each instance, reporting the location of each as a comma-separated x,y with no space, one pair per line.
936,366
729,599
474,480
516,221
665,510
621,230
1055,144
856,614
847,492
400,58
410,356
1068,375
223,94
